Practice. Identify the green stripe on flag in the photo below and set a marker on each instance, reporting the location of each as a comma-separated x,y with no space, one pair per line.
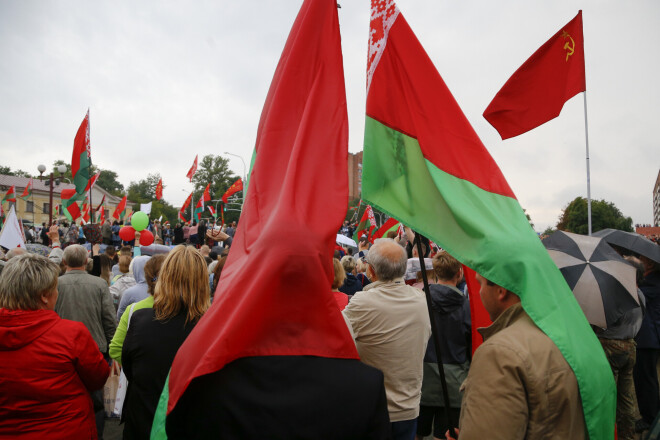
489,233
158,431
81,178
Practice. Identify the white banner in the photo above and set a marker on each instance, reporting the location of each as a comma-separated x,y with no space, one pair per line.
146,208
11,235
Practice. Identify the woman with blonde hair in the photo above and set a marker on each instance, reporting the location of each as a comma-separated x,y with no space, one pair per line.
340,277
181,297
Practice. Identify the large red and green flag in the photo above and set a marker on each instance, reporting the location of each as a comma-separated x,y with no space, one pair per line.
159,190
192,170
366,225
537,91
233,189
425,165
301,152
27,192
70,207
81,159
120,209
10,196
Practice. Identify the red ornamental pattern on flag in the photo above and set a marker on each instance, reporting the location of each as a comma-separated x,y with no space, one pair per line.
372,217
193,169
159,190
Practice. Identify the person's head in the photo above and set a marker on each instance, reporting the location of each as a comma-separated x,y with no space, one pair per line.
496,299
15,253
649,265
111,252
183,285
213,255
29,282
391,234
349,264
124,263
340,274
106,267
447,268
639,267
387,260
204,250
125,250
75,257
151,271
361,266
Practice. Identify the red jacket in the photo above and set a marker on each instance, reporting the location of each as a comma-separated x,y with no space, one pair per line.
48,366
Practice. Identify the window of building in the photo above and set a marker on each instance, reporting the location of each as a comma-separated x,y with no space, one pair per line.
46,208
29,206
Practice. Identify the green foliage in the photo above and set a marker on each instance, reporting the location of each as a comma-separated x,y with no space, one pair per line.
603,215
214,170
8,172
107,180
548,231
144,191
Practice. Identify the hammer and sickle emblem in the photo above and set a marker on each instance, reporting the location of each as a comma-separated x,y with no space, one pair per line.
569,47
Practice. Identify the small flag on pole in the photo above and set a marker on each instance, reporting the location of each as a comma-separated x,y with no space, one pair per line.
159,190
81,158
233,189
27,192
193,170
11,195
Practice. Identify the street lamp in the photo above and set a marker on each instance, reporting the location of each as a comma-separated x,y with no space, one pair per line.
244,171
42,168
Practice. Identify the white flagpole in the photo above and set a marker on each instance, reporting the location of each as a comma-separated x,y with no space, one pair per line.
586,133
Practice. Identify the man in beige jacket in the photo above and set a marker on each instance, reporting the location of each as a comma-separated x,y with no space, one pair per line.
519,385
391,327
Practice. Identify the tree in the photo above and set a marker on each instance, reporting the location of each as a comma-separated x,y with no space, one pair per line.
5,170
144,191
214,170
603,215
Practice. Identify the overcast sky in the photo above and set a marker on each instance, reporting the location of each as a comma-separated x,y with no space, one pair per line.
167,80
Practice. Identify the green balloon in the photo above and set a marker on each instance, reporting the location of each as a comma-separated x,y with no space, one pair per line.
139,221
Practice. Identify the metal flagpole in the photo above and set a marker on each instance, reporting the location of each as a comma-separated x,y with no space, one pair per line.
434,334
586,133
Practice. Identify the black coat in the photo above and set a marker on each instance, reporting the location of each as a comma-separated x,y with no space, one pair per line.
284,397
147,355
451,311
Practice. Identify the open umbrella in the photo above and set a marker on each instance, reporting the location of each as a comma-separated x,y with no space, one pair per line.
633,242
342,239
603,283
39,249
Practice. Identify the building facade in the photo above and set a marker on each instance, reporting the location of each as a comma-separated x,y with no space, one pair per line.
354,175
37,208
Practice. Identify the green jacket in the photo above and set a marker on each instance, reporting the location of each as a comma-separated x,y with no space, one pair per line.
86,298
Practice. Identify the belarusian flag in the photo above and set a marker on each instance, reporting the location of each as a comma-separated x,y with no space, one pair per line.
193,169
159,190
391,224
301,153
100,205
367,224
537,91
120,209
58,210
70,203
11,195
186,203
233,189
102,215
27,192
212,210
92,181
181,217
199,209
2,216
207,195
424,164
81,160
85,212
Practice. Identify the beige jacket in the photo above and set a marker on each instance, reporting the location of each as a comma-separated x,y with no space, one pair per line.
520,386
391,327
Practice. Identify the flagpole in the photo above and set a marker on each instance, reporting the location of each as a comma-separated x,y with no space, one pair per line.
436,337
586,133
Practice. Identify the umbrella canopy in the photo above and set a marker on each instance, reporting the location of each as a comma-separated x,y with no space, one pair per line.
342,239
603,283
633,242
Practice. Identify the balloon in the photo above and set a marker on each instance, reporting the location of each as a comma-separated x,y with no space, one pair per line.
146,238
127,233
140,221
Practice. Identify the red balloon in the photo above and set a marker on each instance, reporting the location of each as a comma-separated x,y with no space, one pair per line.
127,233
146,237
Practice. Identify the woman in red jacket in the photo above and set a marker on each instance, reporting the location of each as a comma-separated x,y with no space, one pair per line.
48,365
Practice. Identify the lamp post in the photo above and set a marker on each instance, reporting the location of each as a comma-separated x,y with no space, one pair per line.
244,171
42,168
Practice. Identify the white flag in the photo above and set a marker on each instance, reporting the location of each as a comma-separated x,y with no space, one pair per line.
146,208
11,235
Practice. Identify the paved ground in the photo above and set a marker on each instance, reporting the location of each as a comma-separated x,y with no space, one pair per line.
113,430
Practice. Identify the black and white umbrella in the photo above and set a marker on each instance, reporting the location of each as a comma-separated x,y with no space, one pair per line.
603,283
633,242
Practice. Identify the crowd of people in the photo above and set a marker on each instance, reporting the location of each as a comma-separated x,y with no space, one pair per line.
70,319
